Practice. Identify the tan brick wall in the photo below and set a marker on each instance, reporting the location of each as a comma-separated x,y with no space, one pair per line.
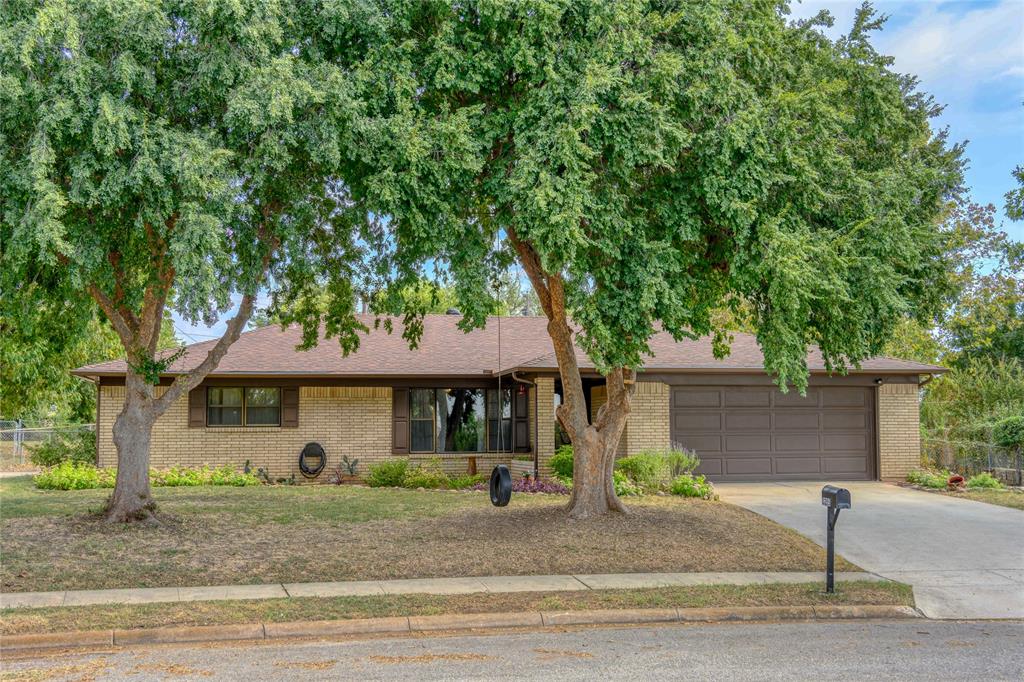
899,430
648,426
352,421
546,424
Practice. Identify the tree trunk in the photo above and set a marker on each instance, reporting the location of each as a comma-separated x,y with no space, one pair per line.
133,429
593,485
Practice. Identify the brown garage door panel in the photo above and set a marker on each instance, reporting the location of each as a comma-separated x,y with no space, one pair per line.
757,433
798,465
747,466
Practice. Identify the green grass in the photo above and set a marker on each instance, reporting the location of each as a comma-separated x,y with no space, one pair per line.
19,498
125,616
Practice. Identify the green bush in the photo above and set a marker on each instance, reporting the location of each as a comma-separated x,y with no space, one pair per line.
689,485
75,447
928,479
467,481
625,487
561,462
984,480
70,475
389,473
1009,432
647,469
656,469
427,475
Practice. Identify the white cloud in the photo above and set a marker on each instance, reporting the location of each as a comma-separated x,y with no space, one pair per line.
959,46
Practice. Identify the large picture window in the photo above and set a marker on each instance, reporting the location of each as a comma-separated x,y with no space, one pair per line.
448,420
252,406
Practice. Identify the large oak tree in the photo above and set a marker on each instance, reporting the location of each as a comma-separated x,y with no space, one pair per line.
165,153
648,163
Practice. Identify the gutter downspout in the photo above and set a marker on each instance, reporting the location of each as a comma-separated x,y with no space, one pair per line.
536,419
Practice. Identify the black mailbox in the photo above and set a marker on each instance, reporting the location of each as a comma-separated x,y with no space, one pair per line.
835,498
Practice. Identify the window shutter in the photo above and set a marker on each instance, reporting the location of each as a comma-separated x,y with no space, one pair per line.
521,421
197,408
290,407
400,421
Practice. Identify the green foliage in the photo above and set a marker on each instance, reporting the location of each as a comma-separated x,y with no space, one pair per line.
688,485
656,469
1009,432
349,465
961,408
929,479
572,133
388,473
984,480
645,469
76,447
467,481
427,475
625,487
562,462
70,475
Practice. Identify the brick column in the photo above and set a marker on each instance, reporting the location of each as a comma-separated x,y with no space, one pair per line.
899,430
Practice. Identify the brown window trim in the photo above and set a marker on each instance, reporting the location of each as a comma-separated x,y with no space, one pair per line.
244,408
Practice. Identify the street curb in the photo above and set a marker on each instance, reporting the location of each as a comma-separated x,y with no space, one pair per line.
448,622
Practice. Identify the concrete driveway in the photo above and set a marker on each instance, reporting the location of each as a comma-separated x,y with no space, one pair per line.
964,559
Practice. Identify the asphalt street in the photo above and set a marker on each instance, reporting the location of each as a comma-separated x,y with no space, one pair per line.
875,650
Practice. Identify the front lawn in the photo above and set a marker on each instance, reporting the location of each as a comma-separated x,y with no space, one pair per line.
130,616
1004,498
218,535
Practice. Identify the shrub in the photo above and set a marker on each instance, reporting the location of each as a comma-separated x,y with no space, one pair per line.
467,481
681,461
647,469
426,475
70,475
74,447
561,462
984,480
689,485
389,473
928,479
176,477
1009,432
225,475
625,487
656,469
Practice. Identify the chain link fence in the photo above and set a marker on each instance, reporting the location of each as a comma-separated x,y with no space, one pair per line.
17,439
970,457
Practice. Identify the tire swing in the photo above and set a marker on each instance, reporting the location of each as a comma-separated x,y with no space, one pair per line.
312,460
501,486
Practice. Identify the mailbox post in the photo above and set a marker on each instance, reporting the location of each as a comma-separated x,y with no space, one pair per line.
833,499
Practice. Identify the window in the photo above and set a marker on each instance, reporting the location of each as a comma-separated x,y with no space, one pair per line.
460,420
499,420
447,420
253,406
421,419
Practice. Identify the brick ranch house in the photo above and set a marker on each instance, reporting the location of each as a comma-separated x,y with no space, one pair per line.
266,401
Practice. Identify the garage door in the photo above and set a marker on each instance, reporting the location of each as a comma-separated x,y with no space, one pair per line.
758,433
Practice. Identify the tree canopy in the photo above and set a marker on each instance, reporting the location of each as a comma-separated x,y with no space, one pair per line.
662,159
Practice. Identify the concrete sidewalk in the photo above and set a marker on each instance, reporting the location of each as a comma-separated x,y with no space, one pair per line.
365,588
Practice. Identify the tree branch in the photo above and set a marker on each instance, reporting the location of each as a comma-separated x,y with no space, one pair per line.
186,382
116,320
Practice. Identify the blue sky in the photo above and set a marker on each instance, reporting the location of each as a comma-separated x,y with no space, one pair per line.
968,55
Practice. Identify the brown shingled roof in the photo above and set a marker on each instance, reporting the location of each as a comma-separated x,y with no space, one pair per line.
445,350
